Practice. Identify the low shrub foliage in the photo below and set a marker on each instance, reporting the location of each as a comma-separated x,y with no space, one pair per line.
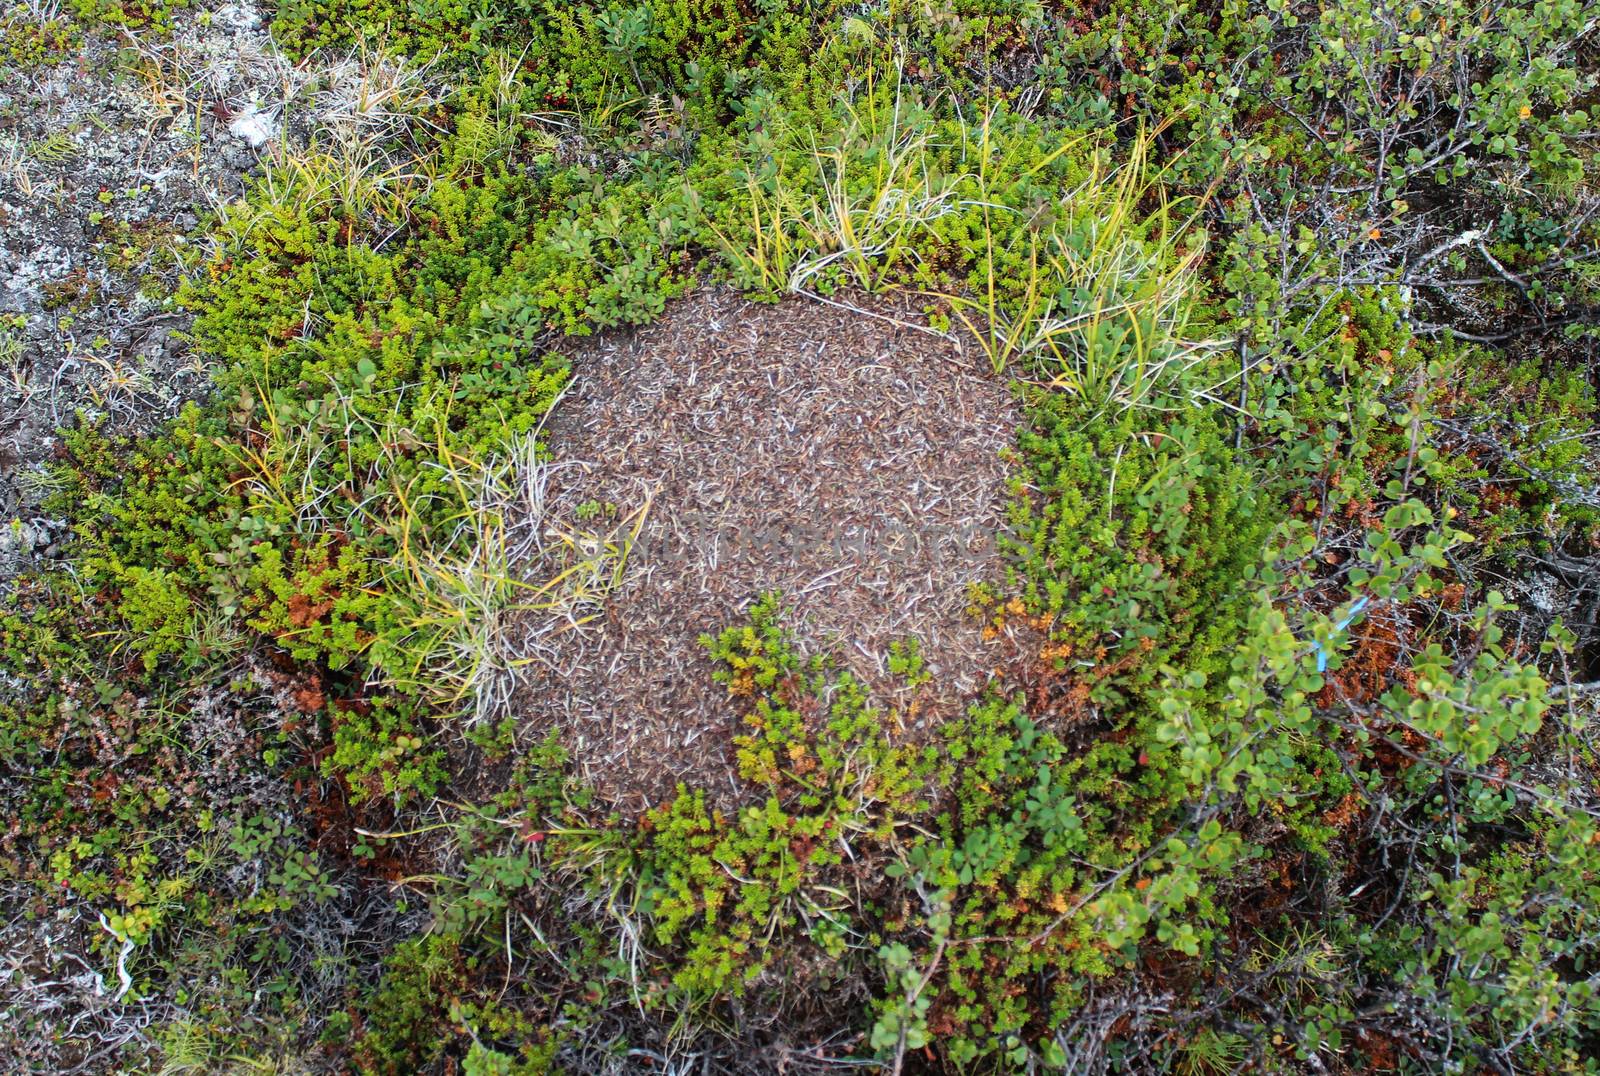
1288,760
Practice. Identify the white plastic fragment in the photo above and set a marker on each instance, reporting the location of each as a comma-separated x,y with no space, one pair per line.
254,126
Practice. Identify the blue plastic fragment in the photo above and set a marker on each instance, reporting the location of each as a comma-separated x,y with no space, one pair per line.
1355,610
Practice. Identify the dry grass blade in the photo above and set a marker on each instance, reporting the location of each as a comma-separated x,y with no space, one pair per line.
1102,303
473,611
862,203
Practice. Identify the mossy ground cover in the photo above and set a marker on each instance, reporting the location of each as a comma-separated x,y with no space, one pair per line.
1286,761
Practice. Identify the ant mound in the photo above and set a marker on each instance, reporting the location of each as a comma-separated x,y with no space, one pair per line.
839,455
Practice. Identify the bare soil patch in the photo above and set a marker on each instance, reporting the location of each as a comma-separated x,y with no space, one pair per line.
843,457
